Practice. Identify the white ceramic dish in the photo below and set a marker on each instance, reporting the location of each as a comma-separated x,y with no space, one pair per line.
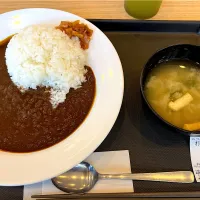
27,168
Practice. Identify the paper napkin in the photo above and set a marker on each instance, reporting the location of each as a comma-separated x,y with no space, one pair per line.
111,162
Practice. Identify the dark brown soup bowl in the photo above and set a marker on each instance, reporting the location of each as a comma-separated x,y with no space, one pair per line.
182,52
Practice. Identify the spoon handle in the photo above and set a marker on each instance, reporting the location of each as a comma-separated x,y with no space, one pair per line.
175,177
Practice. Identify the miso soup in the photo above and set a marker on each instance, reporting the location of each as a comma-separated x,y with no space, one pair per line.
173,90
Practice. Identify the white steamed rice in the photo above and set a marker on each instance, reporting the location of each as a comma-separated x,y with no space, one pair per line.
41,55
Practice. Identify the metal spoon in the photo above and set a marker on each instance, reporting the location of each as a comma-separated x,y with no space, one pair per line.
83,177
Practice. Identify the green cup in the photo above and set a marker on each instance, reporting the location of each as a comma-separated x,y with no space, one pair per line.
142,9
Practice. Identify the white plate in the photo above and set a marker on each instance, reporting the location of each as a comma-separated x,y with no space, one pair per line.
27,168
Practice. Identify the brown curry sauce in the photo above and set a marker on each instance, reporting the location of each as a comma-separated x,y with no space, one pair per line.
27,120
